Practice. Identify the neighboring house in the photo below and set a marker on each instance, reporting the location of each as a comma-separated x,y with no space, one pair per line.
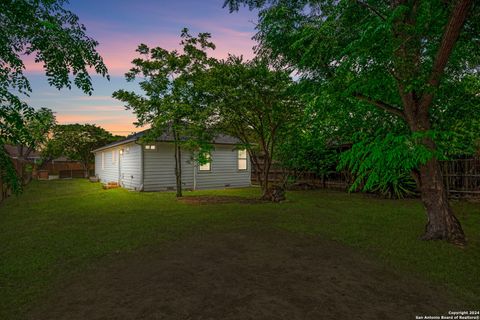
61,167
20,153
151,167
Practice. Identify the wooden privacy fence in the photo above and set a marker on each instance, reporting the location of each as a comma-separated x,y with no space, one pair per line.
62,169
461,178
71,173
66,169
330,180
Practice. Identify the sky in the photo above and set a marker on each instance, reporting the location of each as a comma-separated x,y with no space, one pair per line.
120,26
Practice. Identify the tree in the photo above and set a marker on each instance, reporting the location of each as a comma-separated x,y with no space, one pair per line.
54,36
33,134
76,142
171,103
255,104
398,56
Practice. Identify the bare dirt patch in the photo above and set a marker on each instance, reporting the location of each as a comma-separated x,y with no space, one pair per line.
194,200
243,275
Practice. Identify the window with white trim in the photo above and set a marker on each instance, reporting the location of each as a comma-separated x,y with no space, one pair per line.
150,147
206,166
103,160
242,159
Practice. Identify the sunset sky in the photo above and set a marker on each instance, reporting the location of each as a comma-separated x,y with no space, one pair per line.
119,26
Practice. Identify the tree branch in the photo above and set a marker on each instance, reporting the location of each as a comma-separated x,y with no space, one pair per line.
450,36
375,11
381,105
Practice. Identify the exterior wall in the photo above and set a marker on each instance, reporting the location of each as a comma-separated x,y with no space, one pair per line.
126,169
109,171
159,169
224,170
131,166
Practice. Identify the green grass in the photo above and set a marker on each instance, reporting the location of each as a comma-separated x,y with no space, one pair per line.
58,227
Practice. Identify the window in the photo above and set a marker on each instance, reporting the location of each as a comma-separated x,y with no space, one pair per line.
113,156
207,166
242,159
103,160
150,147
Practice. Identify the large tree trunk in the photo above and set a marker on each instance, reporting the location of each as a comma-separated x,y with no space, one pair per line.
442,223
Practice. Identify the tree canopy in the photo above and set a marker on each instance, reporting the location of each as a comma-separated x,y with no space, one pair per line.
53,37
410,63
254,103
76,142
170,100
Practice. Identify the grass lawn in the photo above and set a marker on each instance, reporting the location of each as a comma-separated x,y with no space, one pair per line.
58,228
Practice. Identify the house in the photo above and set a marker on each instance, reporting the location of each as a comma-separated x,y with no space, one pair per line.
22,153
61,167
151,167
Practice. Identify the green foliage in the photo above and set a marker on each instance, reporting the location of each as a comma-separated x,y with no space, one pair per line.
53,36
170,101
76,141
27,128
30,28
383,163
401,187
253,102
456,117
365,62
8,174
309,145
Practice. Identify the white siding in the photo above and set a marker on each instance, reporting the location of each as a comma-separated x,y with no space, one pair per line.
159,170
126,169
109,171
224,170
131,167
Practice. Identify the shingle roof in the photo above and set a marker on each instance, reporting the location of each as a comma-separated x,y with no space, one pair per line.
14,152
167,137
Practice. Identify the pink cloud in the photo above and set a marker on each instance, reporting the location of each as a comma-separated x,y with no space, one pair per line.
119,54
116,123
82,118
97,108
119,50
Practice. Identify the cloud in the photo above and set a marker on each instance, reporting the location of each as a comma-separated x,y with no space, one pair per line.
118,49
115,123
119,52
129,24
88,108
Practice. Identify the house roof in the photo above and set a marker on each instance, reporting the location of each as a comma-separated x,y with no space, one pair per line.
14,152
168,137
